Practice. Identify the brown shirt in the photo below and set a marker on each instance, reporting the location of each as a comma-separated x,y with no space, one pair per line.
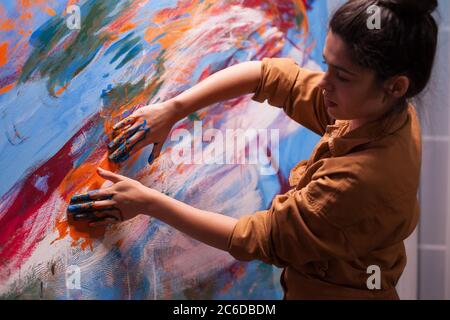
351,204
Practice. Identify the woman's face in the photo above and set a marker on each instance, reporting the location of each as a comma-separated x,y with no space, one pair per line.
350,91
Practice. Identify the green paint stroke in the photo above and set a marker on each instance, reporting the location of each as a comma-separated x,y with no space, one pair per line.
120,95
62,65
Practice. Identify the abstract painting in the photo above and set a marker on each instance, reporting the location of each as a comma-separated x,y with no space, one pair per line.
69,70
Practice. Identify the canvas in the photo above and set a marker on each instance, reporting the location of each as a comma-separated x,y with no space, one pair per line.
62,88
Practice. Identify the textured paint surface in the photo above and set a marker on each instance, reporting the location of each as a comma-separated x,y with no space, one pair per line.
62,90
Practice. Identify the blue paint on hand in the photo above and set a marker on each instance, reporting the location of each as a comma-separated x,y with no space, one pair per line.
122,152
77,208
82,197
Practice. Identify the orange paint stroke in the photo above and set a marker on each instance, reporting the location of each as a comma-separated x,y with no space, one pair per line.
3,53
179,168
122,23
7,88
71,2
173,31
50,11
28,4
167,21
85,178
80,231
7,25
61,90
127,26
26,16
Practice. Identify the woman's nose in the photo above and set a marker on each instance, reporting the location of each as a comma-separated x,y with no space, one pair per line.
325,84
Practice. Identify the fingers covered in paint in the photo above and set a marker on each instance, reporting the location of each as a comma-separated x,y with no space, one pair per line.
83,216
126,198
124,149
103,218
125,122
86,215
123,136
101,213
105,206
109,214
90,195
90,206
128,142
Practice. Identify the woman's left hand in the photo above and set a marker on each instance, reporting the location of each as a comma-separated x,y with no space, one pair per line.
123,200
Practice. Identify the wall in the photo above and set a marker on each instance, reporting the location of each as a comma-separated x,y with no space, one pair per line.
434,233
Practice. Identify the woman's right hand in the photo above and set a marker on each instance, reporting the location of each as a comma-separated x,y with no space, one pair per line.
146,125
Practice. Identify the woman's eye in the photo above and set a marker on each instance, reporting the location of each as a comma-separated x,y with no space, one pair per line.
341,78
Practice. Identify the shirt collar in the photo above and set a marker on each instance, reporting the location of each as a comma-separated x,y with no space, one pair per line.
341,141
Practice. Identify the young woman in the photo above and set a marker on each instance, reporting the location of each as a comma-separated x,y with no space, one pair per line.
354,201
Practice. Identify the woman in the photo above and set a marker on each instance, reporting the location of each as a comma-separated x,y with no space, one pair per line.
354,201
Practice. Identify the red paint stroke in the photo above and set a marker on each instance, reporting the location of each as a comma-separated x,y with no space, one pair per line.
18,222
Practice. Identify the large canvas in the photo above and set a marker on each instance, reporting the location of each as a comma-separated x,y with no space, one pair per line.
63,86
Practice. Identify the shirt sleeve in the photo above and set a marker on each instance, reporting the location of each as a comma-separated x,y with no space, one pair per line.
302,226
284,84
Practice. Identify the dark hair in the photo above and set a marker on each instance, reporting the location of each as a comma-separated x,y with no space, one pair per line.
404,45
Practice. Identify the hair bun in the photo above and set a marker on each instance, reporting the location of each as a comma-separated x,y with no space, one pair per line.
421,7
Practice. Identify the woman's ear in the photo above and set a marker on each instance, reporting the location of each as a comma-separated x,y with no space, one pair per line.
397,86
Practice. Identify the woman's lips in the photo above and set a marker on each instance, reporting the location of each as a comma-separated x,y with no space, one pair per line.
329,103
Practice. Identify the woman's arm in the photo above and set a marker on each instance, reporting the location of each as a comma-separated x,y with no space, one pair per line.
152,123
127,198
208,227
228,83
